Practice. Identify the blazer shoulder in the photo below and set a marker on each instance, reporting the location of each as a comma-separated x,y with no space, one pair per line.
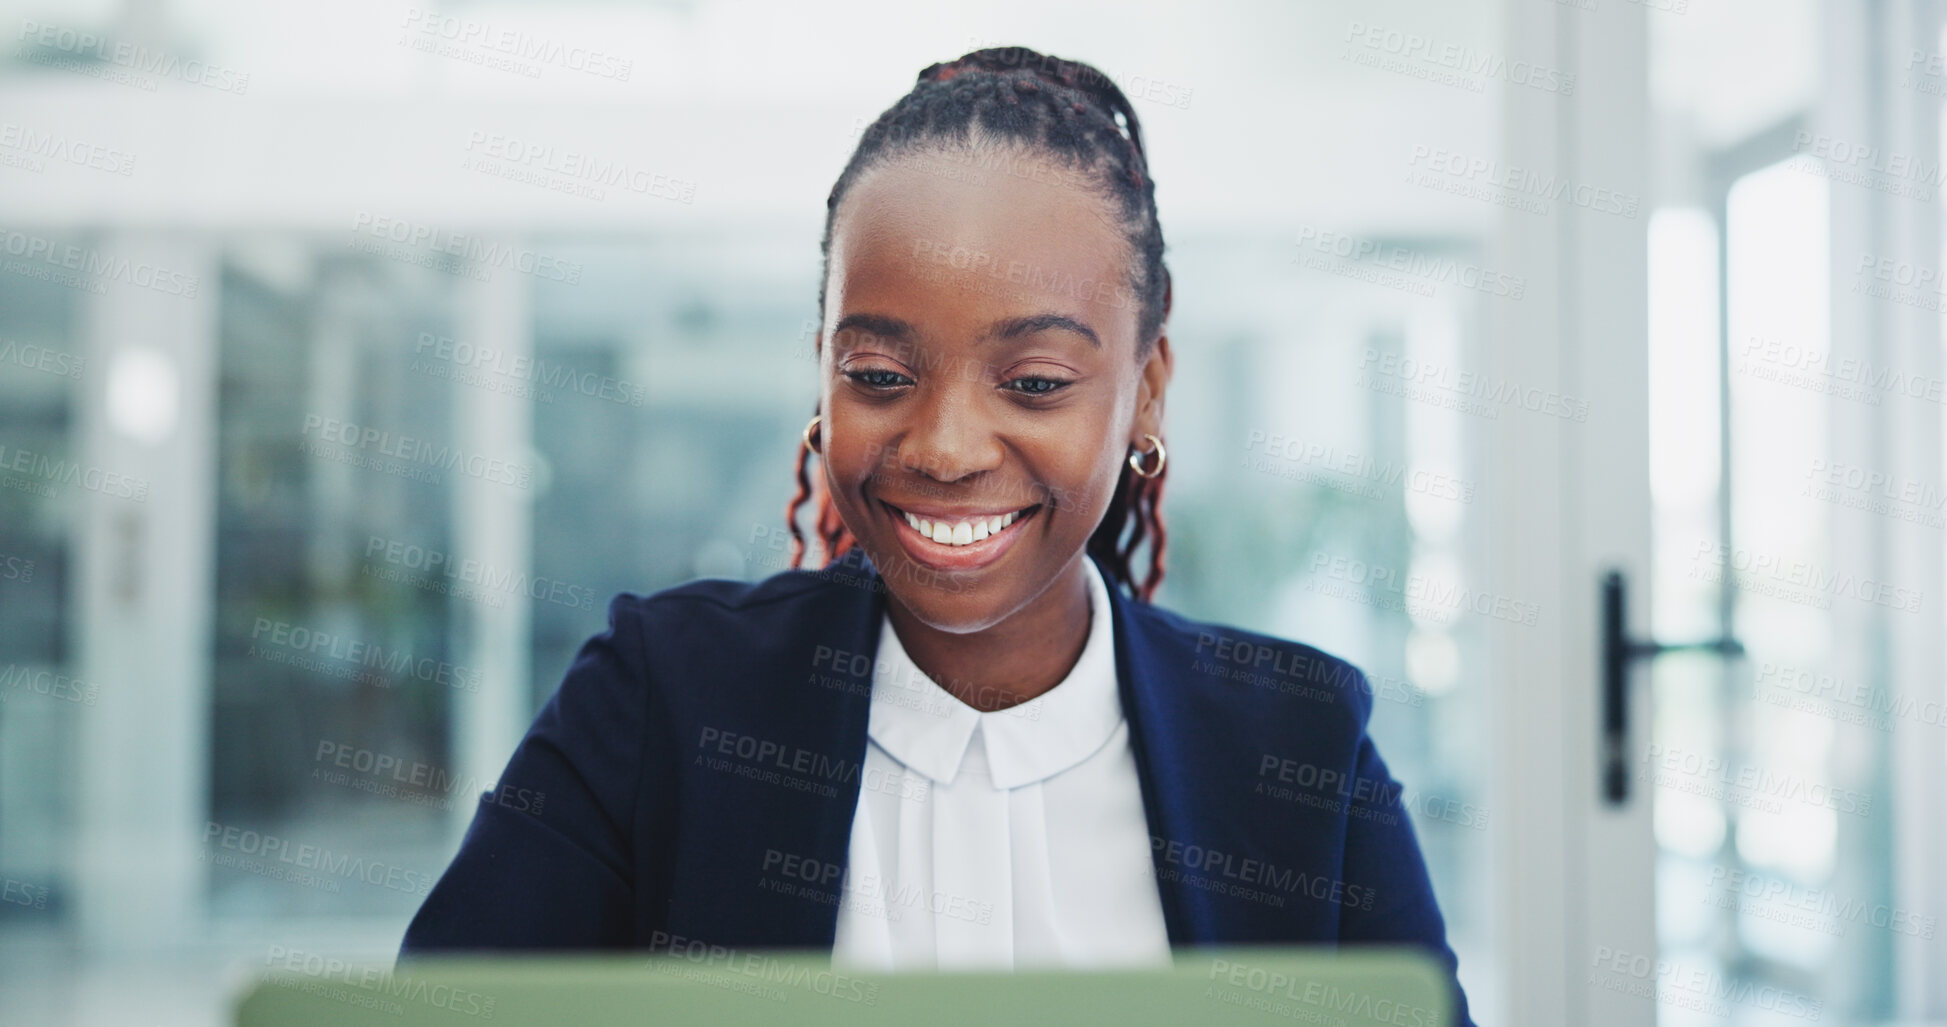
721,623
784,650
1277,670
702,596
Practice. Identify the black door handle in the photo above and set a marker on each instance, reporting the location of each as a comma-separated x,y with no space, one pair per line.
1619,652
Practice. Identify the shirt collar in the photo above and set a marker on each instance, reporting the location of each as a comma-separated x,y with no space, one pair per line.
926,728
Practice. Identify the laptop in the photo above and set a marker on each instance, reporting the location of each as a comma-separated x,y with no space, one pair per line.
1394,987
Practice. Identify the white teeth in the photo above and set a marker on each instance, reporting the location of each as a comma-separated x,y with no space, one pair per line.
963,533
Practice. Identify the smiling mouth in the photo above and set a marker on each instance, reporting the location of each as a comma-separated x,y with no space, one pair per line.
962,532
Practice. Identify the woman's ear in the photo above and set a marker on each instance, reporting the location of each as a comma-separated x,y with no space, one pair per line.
1156,374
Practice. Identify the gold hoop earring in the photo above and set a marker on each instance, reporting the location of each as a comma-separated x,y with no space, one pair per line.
806,435
1136,458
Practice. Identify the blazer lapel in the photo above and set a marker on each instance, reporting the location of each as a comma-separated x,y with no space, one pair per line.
1233,864
1167,757
781,799
849,623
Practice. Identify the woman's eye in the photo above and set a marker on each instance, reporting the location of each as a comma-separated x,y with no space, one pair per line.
877,378
1035,385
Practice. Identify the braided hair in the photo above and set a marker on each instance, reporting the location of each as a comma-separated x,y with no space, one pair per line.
1074,114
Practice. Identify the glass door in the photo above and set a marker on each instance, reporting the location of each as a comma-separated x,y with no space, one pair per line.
1796,404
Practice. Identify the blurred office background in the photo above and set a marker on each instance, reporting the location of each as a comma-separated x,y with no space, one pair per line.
341,387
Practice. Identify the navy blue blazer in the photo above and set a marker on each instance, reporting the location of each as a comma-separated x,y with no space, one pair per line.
695,776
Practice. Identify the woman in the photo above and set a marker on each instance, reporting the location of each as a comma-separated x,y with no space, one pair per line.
960,743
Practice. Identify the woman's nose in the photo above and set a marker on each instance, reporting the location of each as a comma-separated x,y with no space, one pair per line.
950,435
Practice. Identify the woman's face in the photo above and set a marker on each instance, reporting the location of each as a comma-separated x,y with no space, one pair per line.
978,357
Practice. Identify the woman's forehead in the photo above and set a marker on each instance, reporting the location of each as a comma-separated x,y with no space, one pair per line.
929,207
916,227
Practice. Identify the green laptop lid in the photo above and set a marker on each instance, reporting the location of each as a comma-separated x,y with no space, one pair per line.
1208,986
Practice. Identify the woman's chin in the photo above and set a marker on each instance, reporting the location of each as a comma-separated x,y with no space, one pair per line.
955,603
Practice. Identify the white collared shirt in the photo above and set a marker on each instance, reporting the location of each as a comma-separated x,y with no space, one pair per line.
1000,840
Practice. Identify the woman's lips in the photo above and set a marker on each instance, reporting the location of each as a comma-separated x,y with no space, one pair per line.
946,557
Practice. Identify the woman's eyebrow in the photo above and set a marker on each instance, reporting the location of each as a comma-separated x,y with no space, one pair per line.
877,324
1007,328
1018,326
